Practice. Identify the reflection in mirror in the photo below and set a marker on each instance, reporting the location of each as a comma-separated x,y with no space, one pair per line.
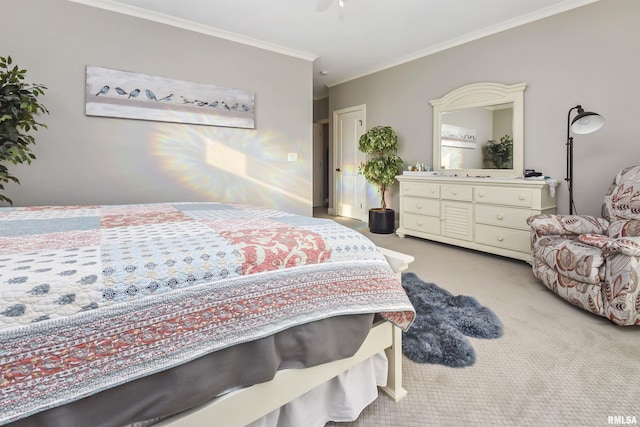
477,138
478,130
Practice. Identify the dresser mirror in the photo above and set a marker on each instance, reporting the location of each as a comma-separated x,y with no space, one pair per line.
478,131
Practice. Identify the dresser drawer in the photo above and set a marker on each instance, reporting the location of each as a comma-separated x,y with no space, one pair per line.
426,224
503,216
421,205
517,240
503,196
456,192
420,189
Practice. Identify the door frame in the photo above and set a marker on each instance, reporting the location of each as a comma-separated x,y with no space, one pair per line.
321,166
333,184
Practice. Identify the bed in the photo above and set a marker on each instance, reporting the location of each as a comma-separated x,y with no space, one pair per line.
186,313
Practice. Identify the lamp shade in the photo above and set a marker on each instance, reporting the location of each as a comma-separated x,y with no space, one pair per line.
586,122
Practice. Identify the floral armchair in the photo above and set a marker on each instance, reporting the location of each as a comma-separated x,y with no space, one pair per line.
594,263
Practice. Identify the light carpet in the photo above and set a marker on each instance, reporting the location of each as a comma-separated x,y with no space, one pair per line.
556,364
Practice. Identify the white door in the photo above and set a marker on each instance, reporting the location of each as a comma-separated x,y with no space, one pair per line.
350,186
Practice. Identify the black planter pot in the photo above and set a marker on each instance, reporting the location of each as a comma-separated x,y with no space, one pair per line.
382,221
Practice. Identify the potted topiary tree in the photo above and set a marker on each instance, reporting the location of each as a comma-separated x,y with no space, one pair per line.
19,107
381,144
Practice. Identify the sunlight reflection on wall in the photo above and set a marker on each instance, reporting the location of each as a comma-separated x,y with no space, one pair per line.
235,165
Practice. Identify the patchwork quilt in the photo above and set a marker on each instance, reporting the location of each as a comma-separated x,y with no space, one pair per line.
95,296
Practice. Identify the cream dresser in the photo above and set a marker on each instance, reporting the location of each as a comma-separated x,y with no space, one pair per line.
485,214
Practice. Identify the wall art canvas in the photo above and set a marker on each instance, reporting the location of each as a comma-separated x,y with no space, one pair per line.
115,93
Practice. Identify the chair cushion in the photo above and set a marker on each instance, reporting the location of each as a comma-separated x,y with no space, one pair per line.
623,197
571,258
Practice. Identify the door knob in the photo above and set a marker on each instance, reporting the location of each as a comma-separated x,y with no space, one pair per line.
337,169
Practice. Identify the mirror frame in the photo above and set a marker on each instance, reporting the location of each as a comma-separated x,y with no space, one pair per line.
482,95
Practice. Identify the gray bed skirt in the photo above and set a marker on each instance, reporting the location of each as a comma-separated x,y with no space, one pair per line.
150,399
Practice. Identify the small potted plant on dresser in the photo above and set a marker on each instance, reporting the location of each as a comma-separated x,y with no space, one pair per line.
381,144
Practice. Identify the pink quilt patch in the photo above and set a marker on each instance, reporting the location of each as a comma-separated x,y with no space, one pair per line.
234,224
49,241
273,249
124,220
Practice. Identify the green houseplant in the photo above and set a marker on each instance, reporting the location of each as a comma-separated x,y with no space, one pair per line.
19,106
381,144
499,154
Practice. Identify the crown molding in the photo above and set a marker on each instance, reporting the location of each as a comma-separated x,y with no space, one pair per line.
114,6
503,26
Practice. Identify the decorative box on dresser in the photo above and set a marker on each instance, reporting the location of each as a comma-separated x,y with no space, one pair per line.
485,214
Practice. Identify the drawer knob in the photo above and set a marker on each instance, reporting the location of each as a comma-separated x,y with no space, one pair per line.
418,206
455,193
500,217
433,190
480,194
500,238
419,223
520,197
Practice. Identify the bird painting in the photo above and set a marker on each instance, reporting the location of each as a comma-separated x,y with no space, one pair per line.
103,91
114,93
150,95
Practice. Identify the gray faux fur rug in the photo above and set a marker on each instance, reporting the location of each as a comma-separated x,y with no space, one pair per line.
437,334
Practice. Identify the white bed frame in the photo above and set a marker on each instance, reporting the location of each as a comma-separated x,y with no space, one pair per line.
246,405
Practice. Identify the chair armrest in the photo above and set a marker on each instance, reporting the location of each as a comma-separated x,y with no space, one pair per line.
624,228
567,224
629,246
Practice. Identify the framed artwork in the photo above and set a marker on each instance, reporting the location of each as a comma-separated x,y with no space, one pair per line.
115,93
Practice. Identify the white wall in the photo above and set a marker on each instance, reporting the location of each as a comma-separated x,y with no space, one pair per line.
589,56
95,160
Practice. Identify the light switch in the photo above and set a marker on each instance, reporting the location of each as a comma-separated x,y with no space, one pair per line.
292,157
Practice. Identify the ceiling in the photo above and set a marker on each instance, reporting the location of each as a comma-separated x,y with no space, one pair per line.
349,41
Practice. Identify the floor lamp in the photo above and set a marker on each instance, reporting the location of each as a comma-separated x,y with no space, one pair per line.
585,122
